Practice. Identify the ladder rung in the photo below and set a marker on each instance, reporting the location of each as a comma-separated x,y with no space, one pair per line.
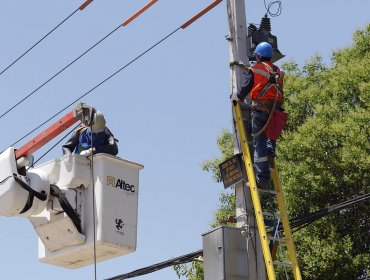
263,190
262,203
267,191
283,263
279,239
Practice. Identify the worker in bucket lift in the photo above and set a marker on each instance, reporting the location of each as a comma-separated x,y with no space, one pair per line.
264,84
103,140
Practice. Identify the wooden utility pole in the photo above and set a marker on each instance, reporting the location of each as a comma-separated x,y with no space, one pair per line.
244,208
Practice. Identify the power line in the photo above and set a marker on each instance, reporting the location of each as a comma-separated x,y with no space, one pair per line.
55,75
158,266
76,59
185,25
83,6
297,222
95,87
304,220
60,140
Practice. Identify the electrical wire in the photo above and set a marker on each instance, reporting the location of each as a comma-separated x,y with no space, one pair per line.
45,36
58,73
96,86
192,256
44,154
155,267
270,5
183,26
126,22
306,219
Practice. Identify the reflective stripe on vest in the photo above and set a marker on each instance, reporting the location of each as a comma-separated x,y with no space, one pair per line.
261,72
261,76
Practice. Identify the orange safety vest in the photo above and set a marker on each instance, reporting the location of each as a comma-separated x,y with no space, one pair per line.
261,76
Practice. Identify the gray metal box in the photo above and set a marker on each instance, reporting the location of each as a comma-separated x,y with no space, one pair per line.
225,254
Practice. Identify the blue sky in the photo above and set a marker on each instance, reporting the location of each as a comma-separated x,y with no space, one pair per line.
166,109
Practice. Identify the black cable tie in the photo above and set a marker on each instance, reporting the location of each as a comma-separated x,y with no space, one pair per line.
39,195
66,206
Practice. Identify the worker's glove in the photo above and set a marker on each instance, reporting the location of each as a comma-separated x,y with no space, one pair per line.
238,63
234,97
87,152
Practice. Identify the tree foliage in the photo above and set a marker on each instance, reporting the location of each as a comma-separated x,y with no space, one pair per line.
323,159
226,146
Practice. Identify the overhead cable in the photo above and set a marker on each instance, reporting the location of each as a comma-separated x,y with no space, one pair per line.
306,219
297,221
80,56
158,266
185,25
60,140
83,6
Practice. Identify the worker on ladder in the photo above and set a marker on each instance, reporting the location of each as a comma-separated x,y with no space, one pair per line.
264,84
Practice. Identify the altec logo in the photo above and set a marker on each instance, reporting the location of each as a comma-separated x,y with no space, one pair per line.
120,183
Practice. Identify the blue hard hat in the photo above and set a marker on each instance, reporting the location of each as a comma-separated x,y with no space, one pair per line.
263,49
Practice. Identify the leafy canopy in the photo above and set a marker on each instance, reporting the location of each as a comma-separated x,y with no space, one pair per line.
323,159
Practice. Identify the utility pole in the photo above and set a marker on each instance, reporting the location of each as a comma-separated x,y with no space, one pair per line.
245,216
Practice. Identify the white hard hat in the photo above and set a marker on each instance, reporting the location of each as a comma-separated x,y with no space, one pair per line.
99,123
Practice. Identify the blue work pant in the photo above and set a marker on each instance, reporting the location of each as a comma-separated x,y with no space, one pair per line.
263,149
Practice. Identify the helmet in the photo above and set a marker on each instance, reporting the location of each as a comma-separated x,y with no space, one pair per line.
99,122
263,49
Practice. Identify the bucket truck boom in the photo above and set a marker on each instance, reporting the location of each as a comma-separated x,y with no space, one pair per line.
17,196
57,198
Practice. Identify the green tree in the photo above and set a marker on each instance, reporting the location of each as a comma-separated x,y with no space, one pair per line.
323,159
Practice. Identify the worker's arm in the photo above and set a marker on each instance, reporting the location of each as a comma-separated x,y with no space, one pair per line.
110,147
71,144
247,86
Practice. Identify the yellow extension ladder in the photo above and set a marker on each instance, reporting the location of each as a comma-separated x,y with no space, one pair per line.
287,238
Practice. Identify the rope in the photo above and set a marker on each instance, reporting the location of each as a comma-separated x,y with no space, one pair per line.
266,87
93,197
269,118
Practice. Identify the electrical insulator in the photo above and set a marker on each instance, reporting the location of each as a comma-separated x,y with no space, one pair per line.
263,34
